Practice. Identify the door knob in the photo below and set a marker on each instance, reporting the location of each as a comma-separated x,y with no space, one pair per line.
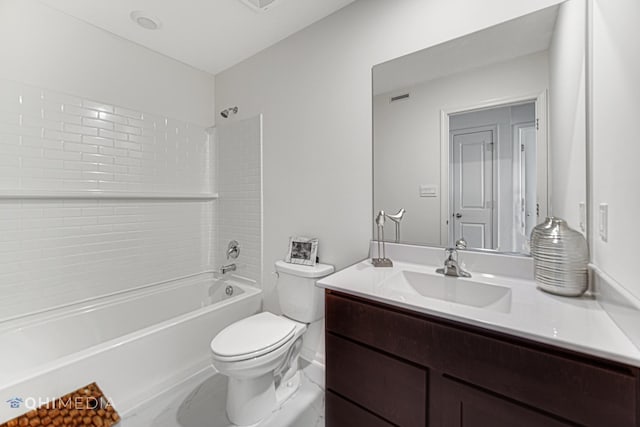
458,215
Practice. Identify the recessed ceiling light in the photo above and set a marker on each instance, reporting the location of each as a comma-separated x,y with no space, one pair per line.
145,20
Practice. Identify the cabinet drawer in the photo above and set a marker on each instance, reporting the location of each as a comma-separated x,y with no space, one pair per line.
342,413
577,389
394,390
396,333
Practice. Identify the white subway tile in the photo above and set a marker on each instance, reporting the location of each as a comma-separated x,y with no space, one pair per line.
93,140
83,130
112,118
79,111
97,106
95,123
127,129
128,113
113,135
84,165
61,136
96,158
63,155
81,148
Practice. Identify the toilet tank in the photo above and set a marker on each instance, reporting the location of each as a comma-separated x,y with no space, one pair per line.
299,297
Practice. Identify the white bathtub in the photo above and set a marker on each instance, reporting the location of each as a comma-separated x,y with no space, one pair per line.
132,344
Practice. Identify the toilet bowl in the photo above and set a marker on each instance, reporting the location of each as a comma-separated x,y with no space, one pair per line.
259,354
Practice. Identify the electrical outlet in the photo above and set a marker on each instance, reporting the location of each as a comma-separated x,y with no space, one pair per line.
604,222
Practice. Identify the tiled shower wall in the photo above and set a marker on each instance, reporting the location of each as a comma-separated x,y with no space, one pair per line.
52,141
239,177
59,250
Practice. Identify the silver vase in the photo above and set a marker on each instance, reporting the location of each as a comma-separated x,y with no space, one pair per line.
560,258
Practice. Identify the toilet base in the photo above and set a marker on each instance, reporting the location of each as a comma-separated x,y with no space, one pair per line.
249,401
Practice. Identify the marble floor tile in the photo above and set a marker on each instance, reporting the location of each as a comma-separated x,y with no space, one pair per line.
199,401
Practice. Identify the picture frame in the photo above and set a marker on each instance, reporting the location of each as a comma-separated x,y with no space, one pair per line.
302,250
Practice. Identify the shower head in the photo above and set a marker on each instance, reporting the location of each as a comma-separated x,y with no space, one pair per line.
231,110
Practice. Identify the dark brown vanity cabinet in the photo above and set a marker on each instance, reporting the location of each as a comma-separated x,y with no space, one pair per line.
392,367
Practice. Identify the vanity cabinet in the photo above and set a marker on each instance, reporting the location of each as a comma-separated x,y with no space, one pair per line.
388,366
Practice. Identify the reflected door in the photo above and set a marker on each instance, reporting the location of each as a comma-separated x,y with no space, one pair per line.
472,187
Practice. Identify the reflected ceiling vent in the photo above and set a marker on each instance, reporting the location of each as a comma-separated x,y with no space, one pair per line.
260,5
399,97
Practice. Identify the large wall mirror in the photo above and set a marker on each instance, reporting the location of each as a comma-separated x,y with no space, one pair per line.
482,137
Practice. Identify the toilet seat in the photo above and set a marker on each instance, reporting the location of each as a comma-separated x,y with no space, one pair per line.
252,337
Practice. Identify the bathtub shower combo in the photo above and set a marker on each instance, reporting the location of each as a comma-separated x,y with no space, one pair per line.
134,344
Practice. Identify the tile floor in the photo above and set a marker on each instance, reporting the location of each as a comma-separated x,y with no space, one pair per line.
199,401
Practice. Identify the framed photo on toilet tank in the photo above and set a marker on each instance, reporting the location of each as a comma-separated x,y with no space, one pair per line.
302,250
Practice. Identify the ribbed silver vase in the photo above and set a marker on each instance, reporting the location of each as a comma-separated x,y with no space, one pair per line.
560,258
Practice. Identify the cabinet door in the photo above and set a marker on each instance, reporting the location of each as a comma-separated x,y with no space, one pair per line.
388,387
466,406
342,413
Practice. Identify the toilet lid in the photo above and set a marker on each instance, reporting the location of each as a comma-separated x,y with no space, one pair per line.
253,336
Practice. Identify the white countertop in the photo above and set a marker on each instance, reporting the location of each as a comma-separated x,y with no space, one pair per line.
578,324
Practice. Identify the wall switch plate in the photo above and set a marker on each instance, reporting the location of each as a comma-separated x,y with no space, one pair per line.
428,190
582,208
604,219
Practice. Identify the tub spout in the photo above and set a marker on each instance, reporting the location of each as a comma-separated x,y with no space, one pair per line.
227,268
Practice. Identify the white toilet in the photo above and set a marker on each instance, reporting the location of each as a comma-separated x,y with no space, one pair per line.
259,354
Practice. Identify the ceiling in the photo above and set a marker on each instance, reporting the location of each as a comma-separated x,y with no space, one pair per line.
211,35
521,36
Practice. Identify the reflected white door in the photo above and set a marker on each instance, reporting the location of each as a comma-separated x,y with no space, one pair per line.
472,187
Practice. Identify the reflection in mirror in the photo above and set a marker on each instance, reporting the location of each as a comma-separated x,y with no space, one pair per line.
482,137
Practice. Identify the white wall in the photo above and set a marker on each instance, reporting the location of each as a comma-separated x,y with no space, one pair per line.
314,89
46,48
82,110
616,109
567,114
239,182
413,126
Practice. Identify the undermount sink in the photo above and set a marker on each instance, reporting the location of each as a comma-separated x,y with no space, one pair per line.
451,289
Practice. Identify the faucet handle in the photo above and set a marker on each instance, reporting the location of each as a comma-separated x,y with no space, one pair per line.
461,243
450,252
233,249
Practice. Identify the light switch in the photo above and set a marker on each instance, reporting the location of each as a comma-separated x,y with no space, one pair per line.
428,190
604,220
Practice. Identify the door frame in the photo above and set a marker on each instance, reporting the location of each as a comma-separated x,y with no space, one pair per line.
542,114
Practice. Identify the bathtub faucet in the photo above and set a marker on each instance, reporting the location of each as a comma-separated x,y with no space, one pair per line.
227,268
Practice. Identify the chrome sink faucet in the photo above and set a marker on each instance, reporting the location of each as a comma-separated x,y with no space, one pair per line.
451,266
